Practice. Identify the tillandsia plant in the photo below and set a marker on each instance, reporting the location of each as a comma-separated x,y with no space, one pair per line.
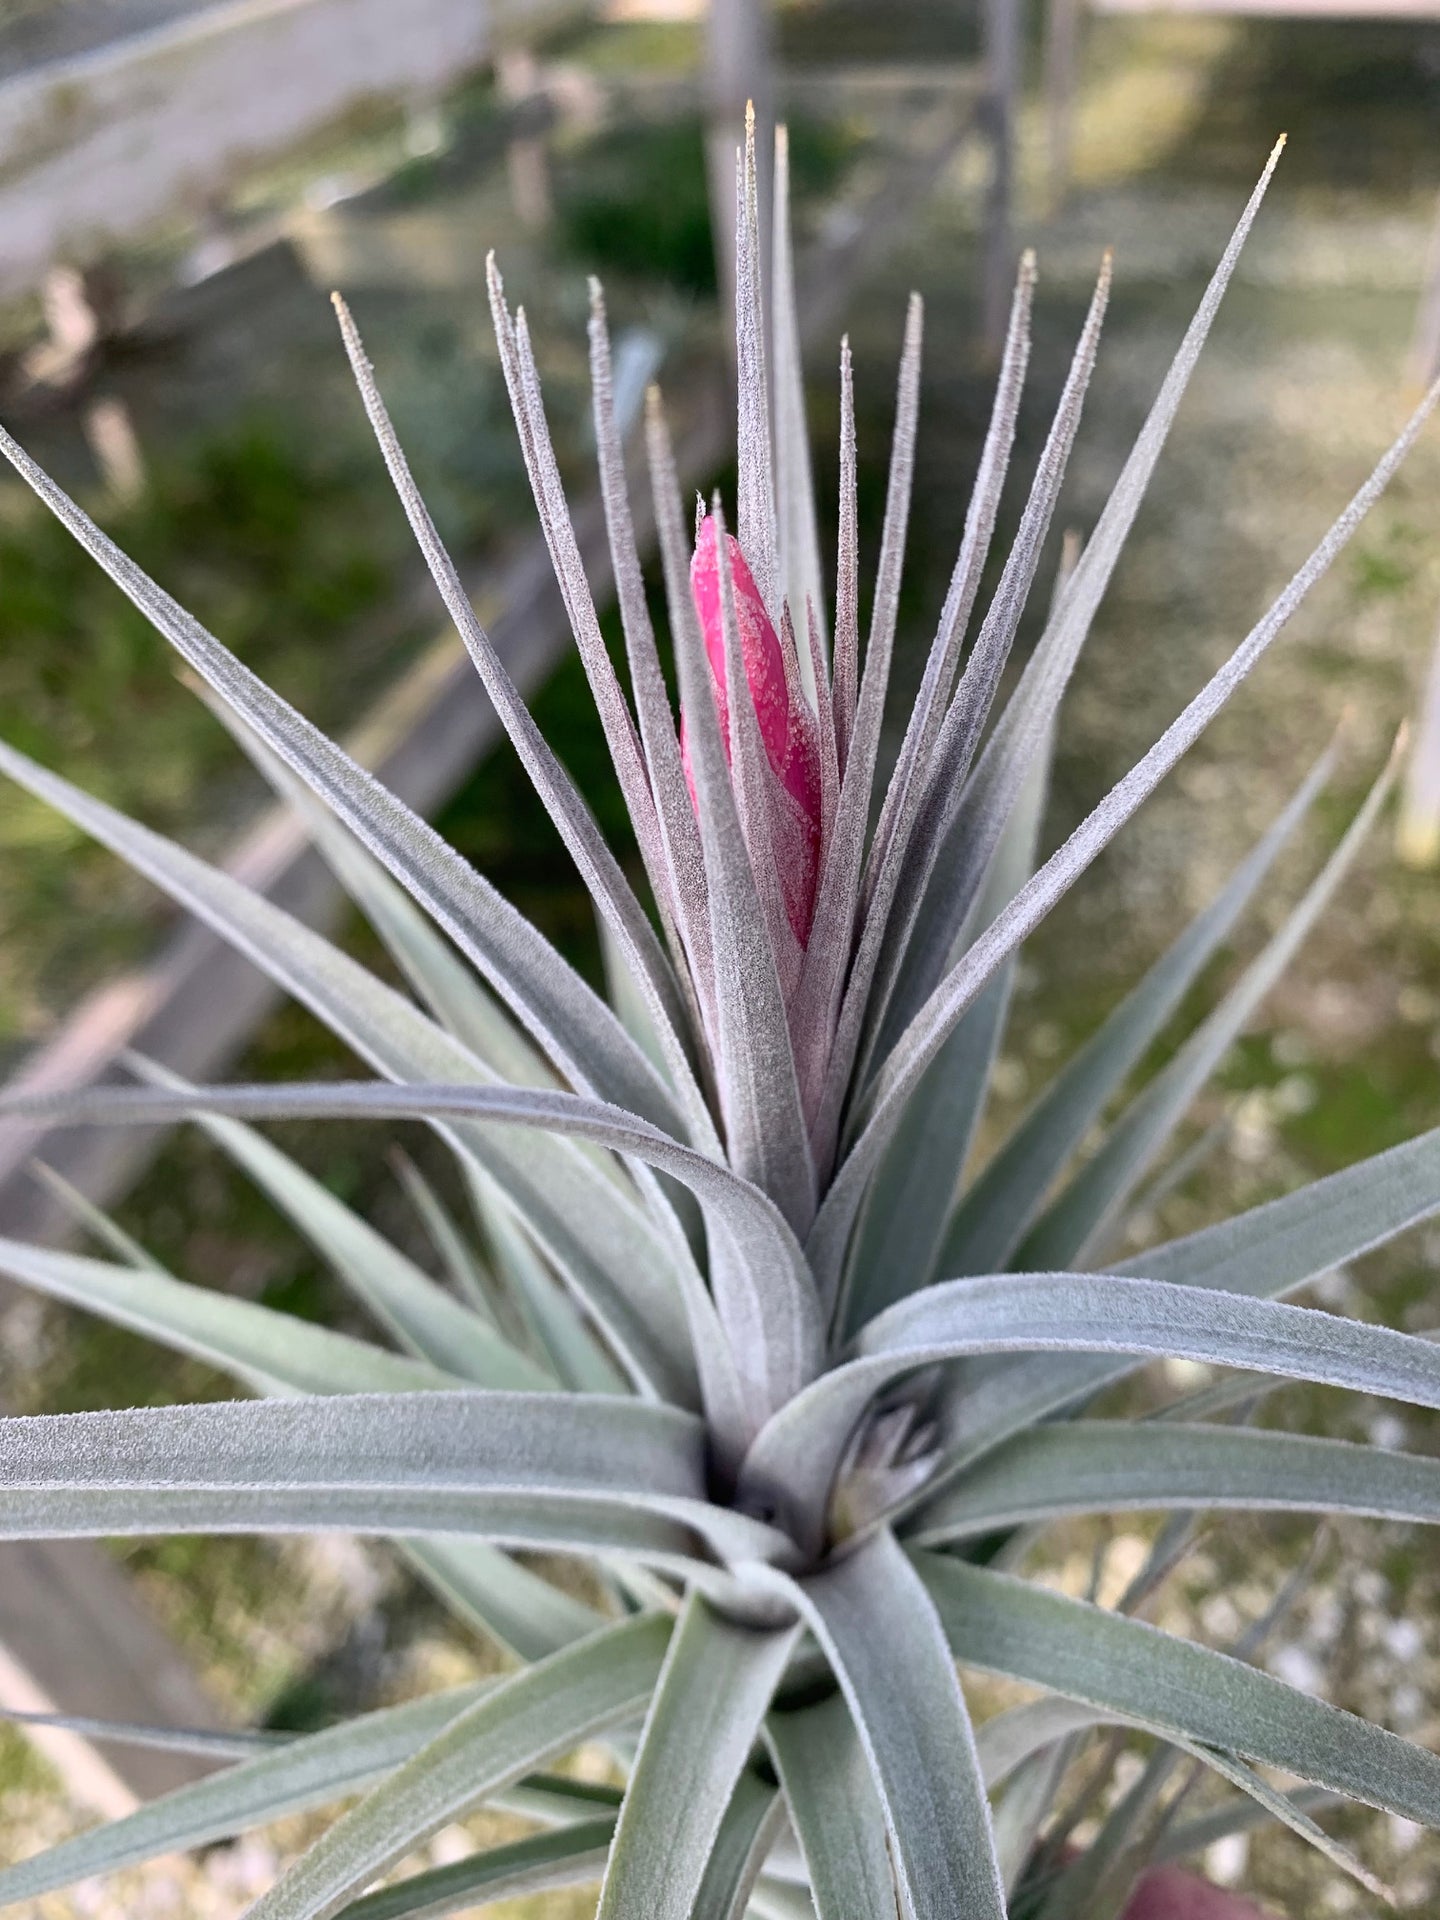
746,1339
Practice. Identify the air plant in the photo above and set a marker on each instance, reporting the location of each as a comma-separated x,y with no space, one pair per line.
749,1340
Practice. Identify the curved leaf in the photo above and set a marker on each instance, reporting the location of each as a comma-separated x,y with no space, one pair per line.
537,1713
912,1721
795,1458
605,1245
1013,1627
711,1698
771,1265
540,1863
834,1810
1269,1250
293,1777
271,1352
597,1473
418,1312
1122,1466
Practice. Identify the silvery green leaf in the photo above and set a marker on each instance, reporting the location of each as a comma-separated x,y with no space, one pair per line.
992,1217
95,1221
418,1312
276,1353
1076,1313
884,1102
912,1722
902,1226
271,1352
834,1810
499,1596
461,1262
1068,1232
540,1863
528,1718
1016,1628
606,1246
592,1473
570,1021
711,1699
938,679
453,992
751,1824
688,1544
897,879
570,1444
685,902
769,1262
598,868
555,1323
1123,1466
203,1742
1031,710
794,484
1240,1815
827,959
1269,1250
764,1126
292,1777
756,520
845,673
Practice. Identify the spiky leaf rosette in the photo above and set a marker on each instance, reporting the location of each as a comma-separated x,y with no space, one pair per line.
737,1331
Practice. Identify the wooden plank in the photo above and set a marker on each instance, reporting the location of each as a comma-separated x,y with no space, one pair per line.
66,1594
101,145
197,1004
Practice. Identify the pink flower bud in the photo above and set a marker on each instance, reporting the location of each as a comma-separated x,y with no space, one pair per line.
787,726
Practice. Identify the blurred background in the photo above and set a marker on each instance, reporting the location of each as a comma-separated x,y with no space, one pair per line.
181,185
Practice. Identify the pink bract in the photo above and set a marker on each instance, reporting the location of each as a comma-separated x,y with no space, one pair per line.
1171,1894
787,726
